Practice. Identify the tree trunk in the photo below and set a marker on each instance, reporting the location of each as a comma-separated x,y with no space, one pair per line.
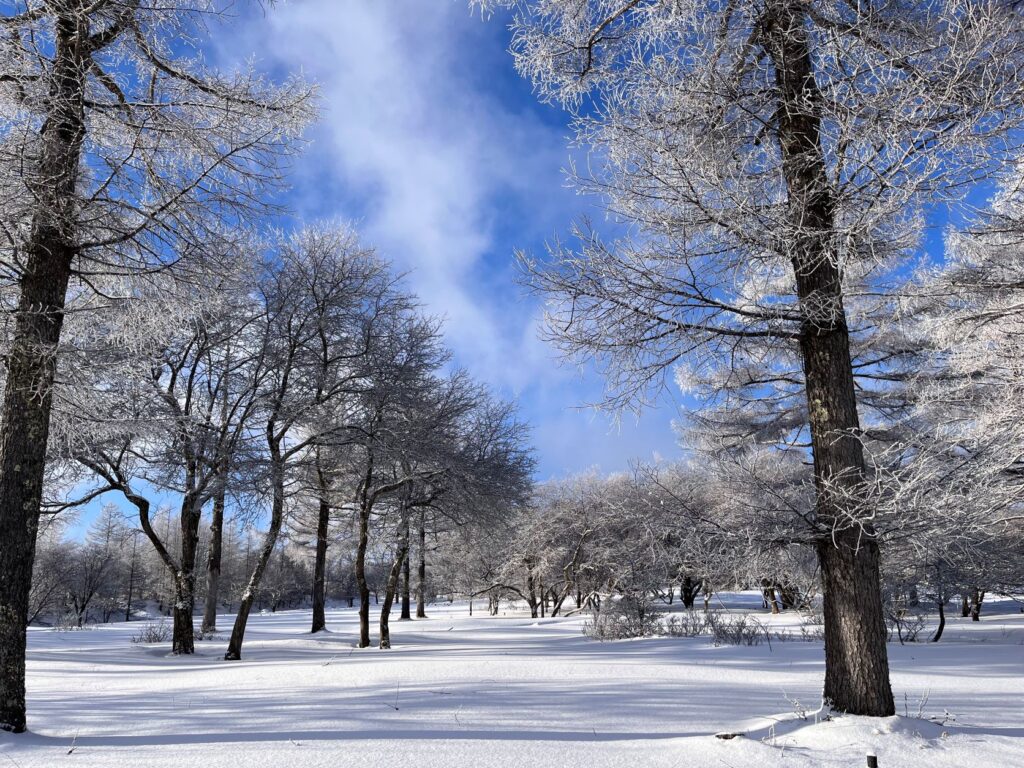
213,559
856,660
361,585
394,575
790,595
131,578
942,620
688,592
320,565
977,597
406,601
531,590
421,569
183,633
183,637
234,651
31,356
965,606
769,599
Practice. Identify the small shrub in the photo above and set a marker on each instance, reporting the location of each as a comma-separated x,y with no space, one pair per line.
623,619
158,632
812,629
905,626
68,622
736,630
687,624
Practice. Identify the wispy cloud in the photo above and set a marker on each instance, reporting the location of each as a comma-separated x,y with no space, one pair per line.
434,146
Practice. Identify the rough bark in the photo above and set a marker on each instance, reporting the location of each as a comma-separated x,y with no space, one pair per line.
856,661
421,568
406,602
213,562
183,633
31,359
360,569
320,563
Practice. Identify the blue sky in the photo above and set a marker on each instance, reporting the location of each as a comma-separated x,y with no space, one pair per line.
440,153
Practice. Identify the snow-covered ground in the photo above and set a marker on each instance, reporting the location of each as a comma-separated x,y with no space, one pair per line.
505,691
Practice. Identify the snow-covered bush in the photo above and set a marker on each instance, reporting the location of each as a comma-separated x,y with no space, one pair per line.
813,626
686,624
624,618
69,622
736,630
904,626
154,632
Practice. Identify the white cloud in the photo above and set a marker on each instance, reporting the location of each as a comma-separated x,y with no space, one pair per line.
415,146
445,174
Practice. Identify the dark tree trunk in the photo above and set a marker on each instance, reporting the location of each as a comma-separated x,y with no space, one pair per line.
790,595
213,560
688,592
361,585
421,569
556,606
394,576
406,601
183,635
965,606
31,356
942,620
856,660
769,599
320,565
977,597
131,578
234,652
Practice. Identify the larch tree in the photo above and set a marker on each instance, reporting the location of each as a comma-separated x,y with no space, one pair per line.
765,159
327,303
157,406
116,141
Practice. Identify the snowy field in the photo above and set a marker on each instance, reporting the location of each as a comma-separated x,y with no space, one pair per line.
505,691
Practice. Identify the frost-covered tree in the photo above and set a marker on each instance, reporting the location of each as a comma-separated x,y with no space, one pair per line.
167,406
328,305
771,160
116,141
